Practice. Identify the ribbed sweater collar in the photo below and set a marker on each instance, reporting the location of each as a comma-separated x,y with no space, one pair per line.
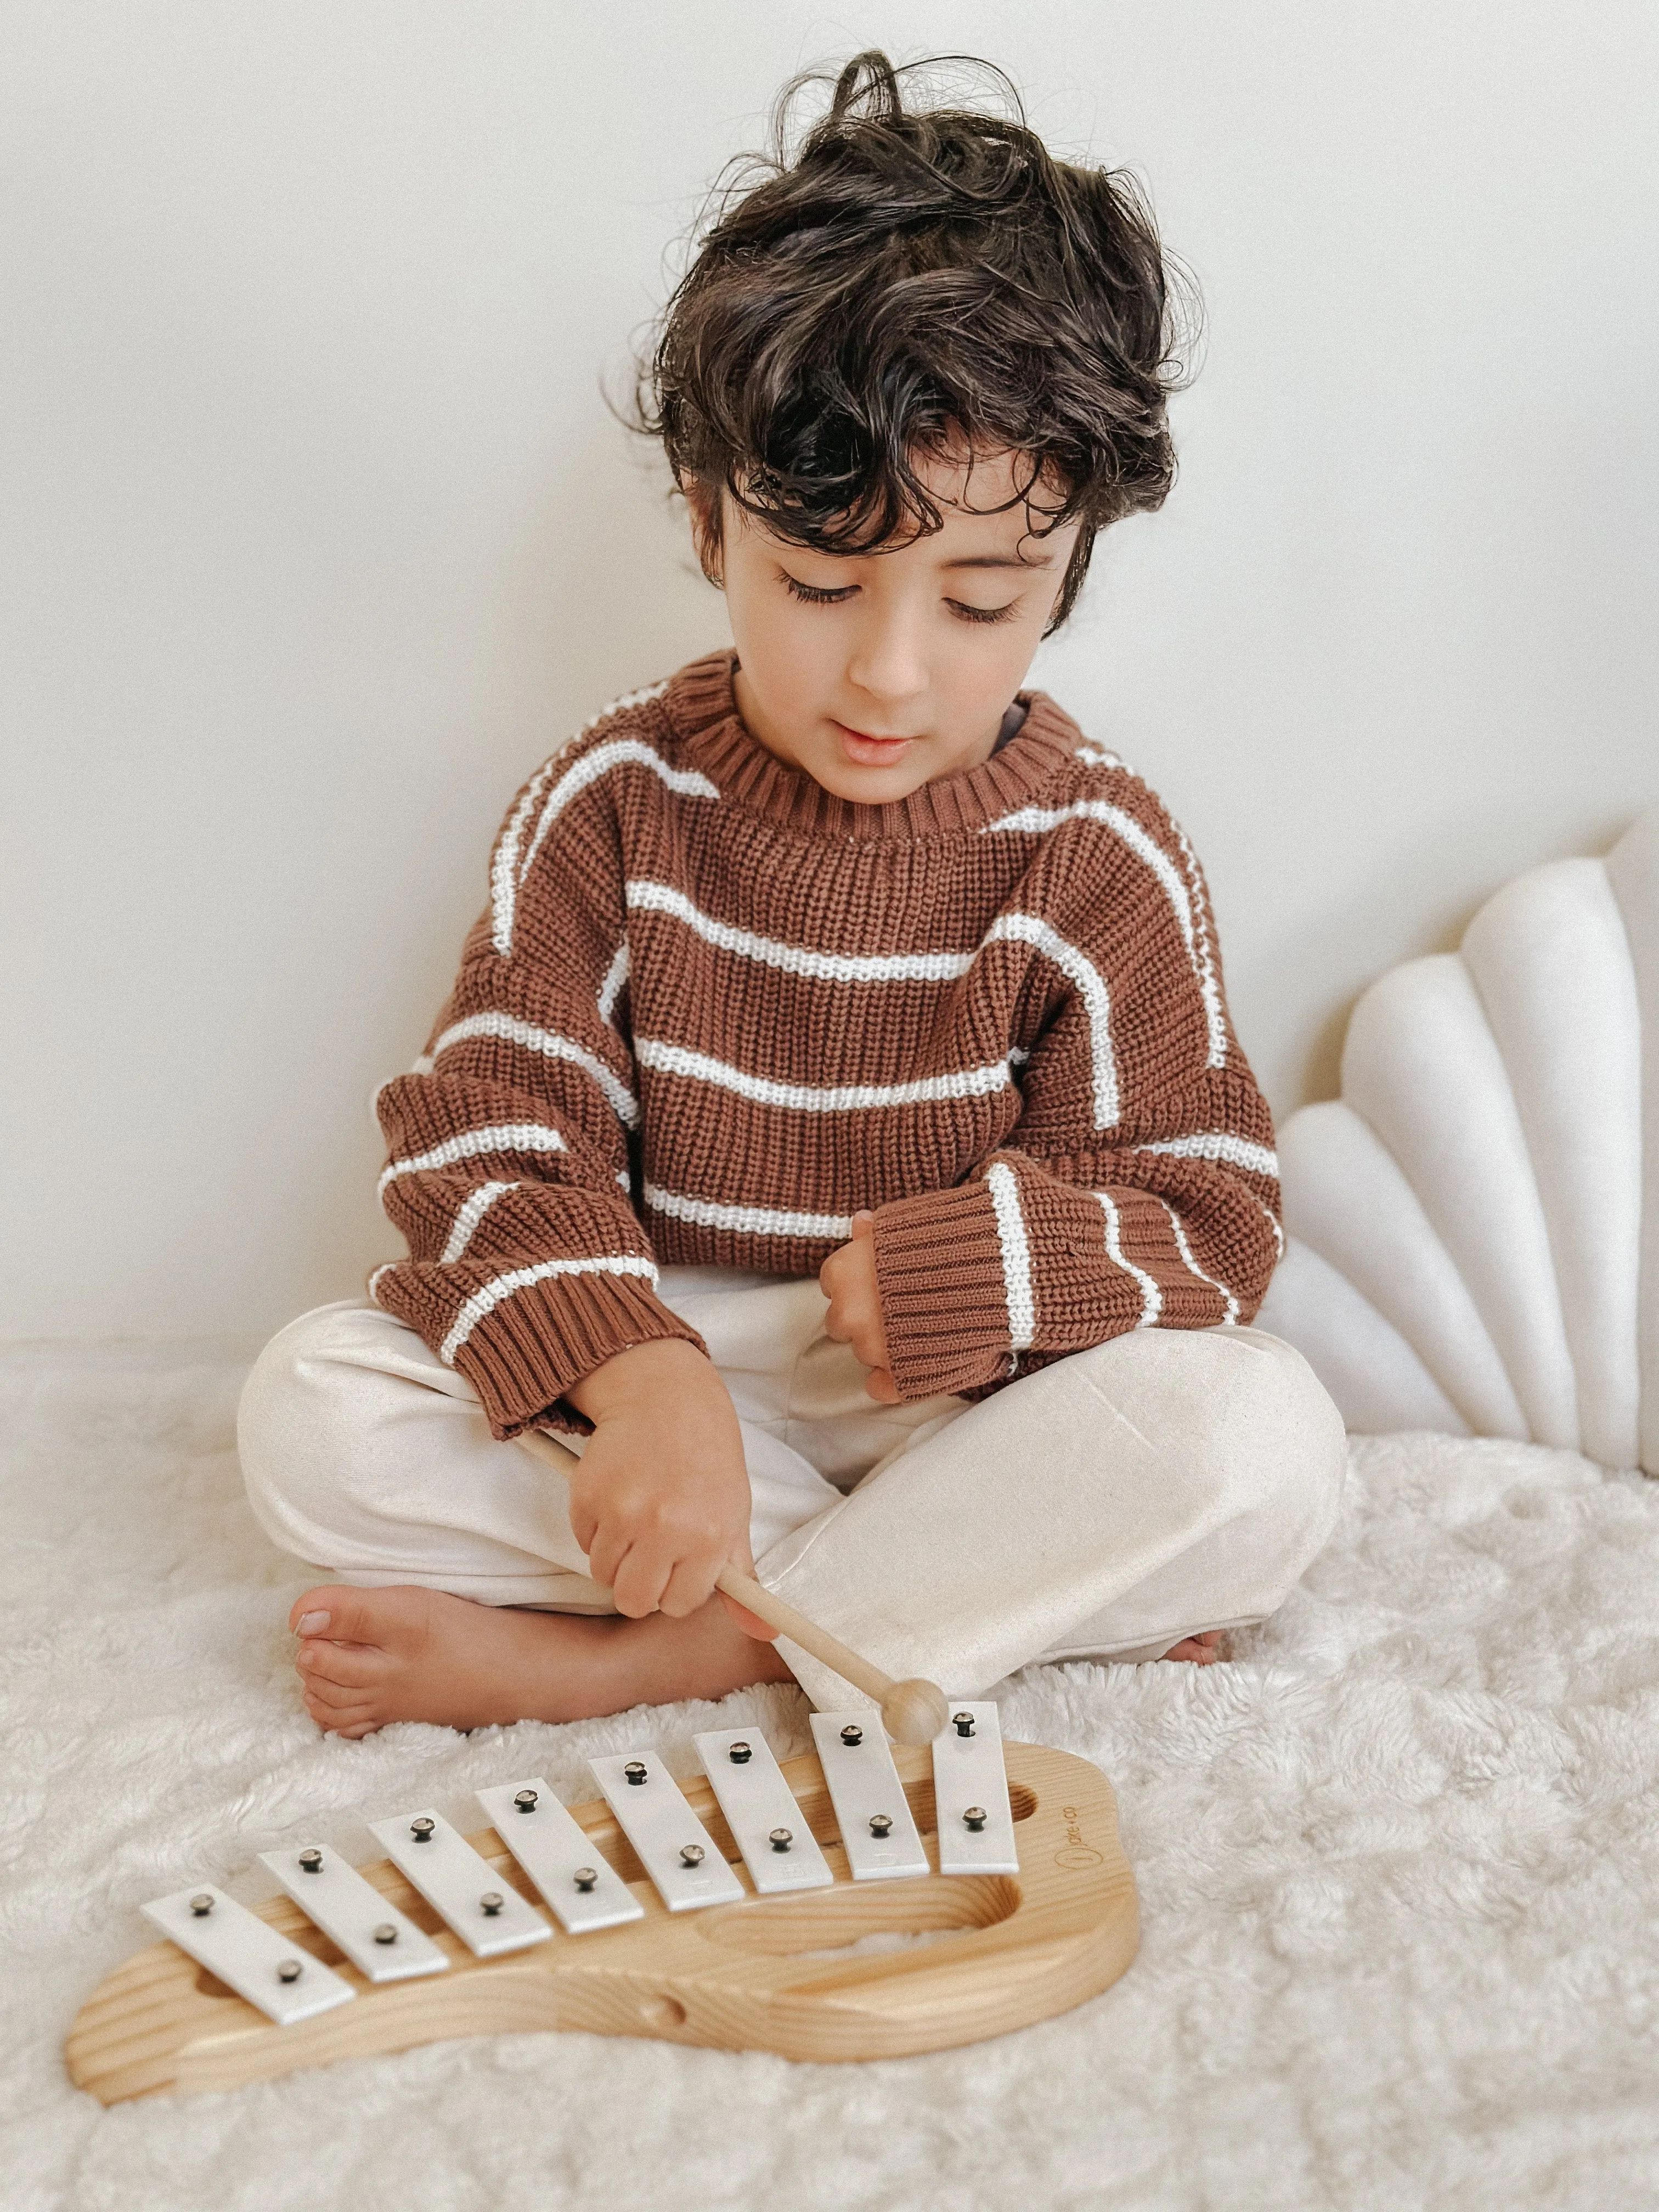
700,705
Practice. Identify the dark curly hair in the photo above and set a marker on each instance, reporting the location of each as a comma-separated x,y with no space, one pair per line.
908,280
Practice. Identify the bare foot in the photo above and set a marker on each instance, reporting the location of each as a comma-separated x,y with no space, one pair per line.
1203,1650
369,1656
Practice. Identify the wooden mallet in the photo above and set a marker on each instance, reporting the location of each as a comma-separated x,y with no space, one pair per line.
912,1711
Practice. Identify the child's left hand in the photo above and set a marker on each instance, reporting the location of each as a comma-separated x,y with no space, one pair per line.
847,1279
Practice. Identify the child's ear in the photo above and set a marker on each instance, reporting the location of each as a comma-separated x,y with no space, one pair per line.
703,507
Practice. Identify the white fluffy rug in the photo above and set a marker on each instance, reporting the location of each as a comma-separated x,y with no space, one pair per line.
1399,1866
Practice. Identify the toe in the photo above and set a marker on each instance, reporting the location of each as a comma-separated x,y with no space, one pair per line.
349,1720
334,1694
351,1666
396,1616
1199,1650
314,1610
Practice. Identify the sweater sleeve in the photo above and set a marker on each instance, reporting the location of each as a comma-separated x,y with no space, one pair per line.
511,1152
1139,1188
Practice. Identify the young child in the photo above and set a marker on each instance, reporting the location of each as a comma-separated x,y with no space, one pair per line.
835,1137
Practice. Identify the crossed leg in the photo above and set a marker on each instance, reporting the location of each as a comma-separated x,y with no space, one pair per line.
368,1657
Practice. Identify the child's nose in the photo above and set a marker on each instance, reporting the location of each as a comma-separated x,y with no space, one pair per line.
888,664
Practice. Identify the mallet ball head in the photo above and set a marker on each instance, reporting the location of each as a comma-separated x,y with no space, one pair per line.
914,1711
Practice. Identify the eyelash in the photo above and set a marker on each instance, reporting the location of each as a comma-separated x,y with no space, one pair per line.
813,595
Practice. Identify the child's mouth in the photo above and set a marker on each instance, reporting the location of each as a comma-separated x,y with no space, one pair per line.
871,752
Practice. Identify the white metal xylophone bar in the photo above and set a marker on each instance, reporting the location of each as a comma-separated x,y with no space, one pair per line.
878,1833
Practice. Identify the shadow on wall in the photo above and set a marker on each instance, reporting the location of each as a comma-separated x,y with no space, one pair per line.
1407,881
597,594
604,593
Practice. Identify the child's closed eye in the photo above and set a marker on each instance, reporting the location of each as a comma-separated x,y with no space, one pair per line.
960,608
816,595
821,595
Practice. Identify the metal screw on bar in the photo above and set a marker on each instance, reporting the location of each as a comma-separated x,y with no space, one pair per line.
692,1855
423,1829
740,1755
311,1862
781,1838
881,1824
974,1818
964,1723
852,1736
525,1799
290,1970
637,1771
386,1933
585,1877
492,1901
202,1905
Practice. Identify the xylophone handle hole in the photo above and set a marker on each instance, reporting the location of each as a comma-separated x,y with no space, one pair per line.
826,1920
662,2012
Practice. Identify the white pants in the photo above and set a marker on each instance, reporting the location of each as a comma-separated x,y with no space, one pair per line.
1167,1482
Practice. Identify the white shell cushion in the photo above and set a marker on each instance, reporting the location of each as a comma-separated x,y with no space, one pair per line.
1469,1238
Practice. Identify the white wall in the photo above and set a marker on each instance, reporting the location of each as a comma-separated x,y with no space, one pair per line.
318,536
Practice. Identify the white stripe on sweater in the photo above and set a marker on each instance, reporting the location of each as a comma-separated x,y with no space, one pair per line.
799,959
667,1059
615,976
690,782
506,1137
374,1280
1151,1298
1015,1255
748,1220
1219,1144
1038,820
471,1213
1279,1234
506,874
511,1030
1213,1012
1192,1266
484,1302
1031,929
504,868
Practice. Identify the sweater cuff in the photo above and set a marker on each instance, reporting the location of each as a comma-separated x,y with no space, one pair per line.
943,1295
528,1351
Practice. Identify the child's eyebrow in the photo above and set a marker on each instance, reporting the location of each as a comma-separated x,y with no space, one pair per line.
1000,561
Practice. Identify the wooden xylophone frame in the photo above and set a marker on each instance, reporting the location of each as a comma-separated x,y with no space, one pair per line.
746,1976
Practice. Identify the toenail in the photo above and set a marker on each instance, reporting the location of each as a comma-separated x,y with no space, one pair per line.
311,1624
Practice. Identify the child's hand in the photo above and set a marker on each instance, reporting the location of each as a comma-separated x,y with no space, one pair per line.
847,1279
659,1499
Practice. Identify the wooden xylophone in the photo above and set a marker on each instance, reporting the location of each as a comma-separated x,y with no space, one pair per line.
857,1864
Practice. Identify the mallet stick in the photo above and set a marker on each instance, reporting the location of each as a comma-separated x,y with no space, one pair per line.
912,1711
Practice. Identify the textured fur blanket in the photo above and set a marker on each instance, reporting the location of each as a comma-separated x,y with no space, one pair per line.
1399,1865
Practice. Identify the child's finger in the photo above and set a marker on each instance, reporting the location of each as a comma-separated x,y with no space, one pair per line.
605,1554
880,1386
688,1589
637,1584
750,1623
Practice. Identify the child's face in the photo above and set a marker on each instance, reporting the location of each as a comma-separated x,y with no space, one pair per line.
877,672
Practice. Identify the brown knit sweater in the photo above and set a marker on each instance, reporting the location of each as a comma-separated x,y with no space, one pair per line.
711,1009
